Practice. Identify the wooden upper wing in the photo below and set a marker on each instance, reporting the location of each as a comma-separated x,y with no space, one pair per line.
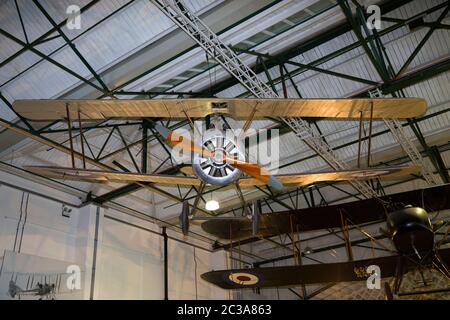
50,110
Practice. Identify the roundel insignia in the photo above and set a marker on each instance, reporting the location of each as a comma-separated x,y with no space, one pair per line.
243,278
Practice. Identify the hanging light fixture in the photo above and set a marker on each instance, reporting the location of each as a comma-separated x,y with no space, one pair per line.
211,204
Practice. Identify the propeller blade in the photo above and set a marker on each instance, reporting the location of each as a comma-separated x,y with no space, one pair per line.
257,172
252,169
176,139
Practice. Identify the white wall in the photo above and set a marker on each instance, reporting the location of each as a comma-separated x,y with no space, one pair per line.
129,264
46,233
183,267
129,260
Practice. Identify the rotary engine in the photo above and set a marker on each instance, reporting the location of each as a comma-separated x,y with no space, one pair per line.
216,170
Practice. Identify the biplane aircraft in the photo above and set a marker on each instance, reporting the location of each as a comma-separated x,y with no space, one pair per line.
359,212
220,160
41,290
407,226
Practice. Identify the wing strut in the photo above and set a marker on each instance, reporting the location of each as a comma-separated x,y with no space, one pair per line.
69,124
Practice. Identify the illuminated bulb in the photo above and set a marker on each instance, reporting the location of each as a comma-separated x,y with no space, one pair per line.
212,205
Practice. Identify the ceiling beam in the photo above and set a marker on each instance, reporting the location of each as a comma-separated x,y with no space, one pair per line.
386,7
409,79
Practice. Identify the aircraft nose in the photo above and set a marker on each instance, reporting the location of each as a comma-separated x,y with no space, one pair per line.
275,183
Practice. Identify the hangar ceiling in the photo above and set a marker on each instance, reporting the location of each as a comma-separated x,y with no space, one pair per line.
129,49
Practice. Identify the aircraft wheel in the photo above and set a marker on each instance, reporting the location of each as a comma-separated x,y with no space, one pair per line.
389,295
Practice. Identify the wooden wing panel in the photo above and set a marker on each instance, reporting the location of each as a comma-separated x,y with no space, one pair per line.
49,110
45,110
292,276
110,176
363,174
305,179
328,108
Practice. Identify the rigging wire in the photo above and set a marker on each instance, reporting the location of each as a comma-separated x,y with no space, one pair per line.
195,275
20,220
24,221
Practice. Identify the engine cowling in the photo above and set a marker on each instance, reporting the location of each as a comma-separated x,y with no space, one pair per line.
215,170
411,231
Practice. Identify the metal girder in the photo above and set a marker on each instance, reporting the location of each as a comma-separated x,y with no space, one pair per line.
26,46
148,71
349,195
375,50
283,57
125,191
319,291
156,93
441,164
326,248
274,198
416,76
331,34
309,67
410,79
255,239
71,45
41,139
47,58
9,105
323,38
424,40
407,80
346,9
227,58
130,155
22,25
45,38
45,35
150,137
408,146
210,42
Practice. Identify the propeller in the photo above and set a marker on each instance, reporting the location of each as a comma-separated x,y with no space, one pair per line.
252,169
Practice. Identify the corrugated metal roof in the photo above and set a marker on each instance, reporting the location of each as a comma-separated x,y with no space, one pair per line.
139,24
136,25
